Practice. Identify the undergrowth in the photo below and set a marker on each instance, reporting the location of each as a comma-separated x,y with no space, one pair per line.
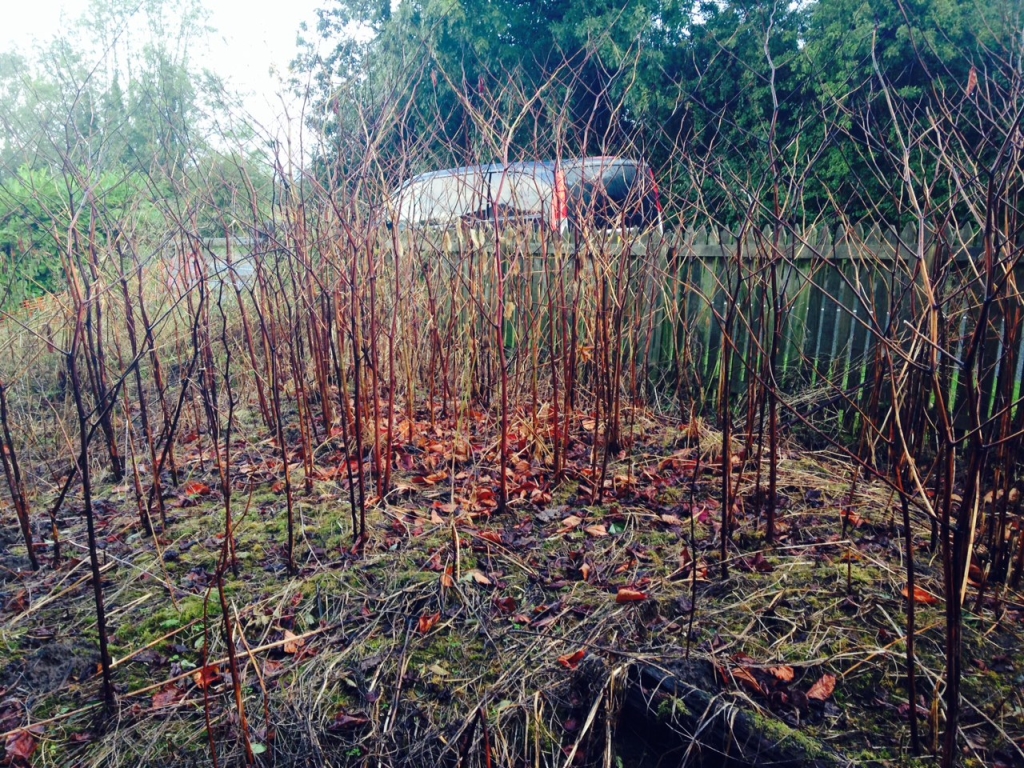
458,635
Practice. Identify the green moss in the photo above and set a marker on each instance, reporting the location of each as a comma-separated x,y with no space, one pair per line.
265,497
456,666
672,708
858,574
167,619
779,732
564,491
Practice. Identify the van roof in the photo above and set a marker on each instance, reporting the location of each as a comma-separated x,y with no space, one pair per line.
602,159
548,165
488,168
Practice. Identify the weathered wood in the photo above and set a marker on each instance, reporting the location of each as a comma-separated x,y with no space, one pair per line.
681,715
840,285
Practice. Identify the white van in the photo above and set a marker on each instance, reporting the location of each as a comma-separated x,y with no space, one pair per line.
518,193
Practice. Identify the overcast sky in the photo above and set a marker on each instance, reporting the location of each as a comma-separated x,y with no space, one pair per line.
253,38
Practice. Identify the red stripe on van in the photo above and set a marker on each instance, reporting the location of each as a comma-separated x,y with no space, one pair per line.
657,193
560,205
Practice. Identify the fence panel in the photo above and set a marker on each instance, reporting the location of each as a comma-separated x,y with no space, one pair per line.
841,294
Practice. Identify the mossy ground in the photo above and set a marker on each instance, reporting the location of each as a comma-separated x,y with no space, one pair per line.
440,641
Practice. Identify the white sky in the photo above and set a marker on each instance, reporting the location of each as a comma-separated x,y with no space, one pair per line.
252,38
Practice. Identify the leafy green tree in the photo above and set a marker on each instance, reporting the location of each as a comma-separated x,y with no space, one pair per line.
448,80
719,94
112,121
887,73
739,73
43,214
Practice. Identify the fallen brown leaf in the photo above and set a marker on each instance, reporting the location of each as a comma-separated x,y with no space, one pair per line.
921,596
744,675
292,642
852,518
344,721
572,660
570,523
431,479
168,697
505,604
206,676
20,747
478,576
823,689
630,595
195,488
19,602
427,622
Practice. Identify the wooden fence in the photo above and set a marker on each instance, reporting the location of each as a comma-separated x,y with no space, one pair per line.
847,298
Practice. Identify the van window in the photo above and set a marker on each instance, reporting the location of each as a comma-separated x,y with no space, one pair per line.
518,191
610,192
442,198
529,192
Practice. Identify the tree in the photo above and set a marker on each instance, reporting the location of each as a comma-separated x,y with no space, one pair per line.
463,73
881,68
704,80
114,116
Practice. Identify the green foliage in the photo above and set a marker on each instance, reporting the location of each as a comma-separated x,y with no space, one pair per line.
29,220
107,137
93,97
447,81
46,219
235,191
724,97
889,72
